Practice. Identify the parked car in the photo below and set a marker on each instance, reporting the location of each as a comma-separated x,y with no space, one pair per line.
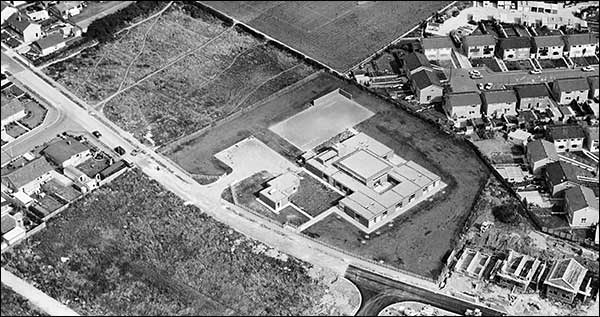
97,134
409,97
474,72
587,69
480,86
535,71
489,86
120,150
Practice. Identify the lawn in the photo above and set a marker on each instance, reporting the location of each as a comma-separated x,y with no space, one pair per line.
518,65
339,34
15,130
486,62
134,248
313,197
35,114
14,304
177,74
410,137
552,63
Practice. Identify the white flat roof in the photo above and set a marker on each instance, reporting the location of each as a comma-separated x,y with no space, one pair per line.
364,164
363,141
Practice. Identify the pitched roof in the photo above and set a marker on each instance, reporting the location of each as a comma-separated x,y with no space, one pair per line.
50,40
582,38
437,42
593,80
19,22
8,223
499,96
571,84
592,133
11,108
561,132
541,149
415,60
548,40
532,91
580,197
479,40
62,150
567,274
29,172
515,42
559,172
425,78
464,99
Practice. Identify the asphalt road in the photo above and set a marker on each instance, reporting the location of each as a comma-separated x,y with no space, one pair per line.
379,292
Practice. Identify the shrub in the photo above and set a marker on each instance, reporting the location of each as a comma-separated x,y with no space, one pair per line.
507,213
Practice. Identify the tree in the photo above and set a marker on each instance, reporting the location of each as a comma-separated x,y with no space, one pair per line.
507,213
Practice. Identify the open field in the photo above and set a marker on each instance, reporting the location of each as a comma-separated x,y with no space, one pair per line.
429,229
339,34
177,73
14,304
133,248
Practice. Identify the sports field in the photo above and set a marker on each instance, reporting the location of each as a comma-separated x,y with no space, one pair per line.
330,115
338,33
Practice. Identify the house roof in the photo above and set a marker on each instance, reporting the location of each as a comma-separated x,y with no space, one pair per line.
559,172
592,133
582,38
580,197
515,42
19,22
437,42
561,132
593,80
464,99
571,84
62,150
29,172
479,40
566,274
548,40
532,91
10,108
50,40
425,78
499,96
415,60
8,223
541,149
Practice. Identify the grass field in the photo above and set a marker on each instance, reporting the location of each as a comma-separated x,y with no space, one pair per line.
35,114
177,74
339,34
133,248
14,304
430,227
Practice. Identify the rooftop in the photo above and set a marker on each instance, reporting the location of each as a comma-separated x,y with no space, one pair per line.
364,164
425,78
479,40
548,40
580,197
566,274
437,42
592,133
571,84
561,132
24,175
541,149
415,60
363,141
532,91
19,22
50,40
62,150
593,80
499,96
464,99
515,42
560,171
582,38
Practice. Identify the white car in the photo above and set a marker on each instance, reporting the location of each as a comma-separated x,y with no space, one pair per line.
480,86
474,72
476,76
587,69
410,97
489,86
535,71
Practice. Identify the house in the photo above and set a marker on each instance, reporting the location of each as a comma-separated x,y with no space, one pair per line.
461,107
36,12
415,62
13,229
50,43
565,281
569,89
514,48
479,46
591,136
560,176
67,9
437,48
593,82
30,177
378,184
472,263
581,207
68,151
81,181
519,137
582,44
566,113
28,30
279,190
566,137
517,270
548,47
7,11
497,103
11,111
426,87
533,97
539,154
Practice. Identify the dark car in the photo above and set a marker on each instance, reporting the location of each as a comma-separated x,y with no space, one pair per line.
97,134
120,150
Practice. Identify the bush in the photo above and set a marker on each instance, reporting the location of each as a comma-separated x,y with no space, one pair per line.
104,28
507,213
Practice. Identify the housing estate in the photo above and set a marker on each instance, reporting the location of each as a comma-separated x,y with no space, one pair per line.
517,270
426,87
581,207
514,48
67,152
379,185
568,89
566,137
533,97
479,46
565,281
548,47
437,48
539,154
461,107
279,190
497,103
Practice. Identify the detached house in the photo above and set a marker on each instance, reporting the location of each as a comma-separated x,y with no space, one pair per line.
279,190
581,207
514,48
67,152
426,86
569,89
548,47
30,31
28,178
584,44
566,280
533,97
497,103
479,46
539,154
462,107
415,62
50,43
437,48
566,137
67,9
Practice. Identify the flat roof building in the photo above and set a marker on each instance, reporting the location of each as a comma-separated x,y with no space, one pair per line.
279,190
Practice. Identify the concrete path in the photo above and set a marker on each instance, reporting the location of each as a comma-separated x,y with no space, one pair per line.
38,298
